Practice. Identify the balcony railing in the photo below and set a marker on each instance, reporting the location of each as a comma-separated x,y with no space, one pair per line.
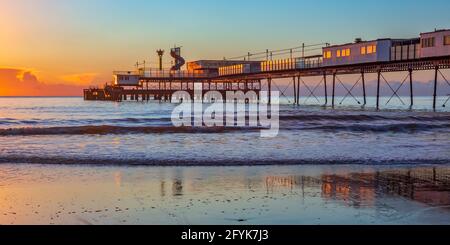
156,73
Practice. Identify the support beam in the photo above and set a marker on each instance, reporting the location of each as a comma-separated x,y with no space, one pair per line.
436,71
325,87
334,89
363,77
378,89
411,89
269,85
298,90
295,91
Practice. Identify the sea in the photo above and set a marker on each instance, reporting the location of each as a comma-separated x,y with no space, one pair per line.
64,160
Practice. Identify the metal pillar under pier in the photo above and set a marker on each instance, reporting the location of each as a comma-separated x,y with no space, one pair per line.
411,89
269,84
295,91
363,77
436,71
298,90
378,89
325,87
334,89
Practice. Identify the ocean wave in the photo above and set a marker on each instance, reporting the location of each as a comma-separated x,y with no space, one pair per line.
362,118
207,162
6,121
397,128
122,130
105,130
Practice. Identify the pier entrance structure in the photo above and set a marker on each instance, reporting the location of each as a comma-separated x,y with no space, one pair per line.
431,51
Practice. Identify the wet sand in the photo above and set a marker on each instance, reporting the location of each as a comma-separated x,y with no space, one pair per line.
346,194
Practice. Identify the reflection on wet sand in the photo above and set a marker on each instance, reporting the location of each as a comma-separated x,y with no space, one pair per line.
430,186
42,194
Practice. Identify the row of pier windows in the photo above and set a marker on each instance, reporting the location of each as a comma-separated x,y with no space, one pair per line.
124,78
231,70
371,49
327,54
343,53
431,42
428,42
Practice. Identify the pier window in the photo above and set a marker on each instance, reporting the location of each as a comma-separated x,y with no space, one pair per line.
363,50
428,42
447,40
371,49
327,54
343,53
347,52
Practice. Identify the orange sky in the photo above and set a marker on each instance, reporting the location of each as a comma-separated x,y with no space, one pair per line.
50,47
22,82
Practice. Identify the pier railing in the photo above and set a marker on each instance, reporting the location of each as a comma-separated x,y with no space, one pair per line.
292,64
156,73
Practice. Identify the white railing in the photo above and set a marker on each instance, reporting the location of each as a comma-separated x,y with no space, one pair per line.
291,64
156,73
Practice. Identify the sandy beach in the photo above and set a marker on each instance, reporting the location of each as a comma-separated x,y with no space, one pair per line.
347,194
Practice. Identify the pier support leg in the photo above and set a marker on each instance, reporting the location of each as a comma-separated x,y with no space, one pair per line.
436,71
363,78
378,89
334,89
269,85
411,89
295,91
325,87
298,90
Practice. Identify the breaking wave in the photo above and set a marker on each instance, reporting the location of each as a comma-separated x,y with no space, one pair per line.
122,130
105,130
362,118
396,128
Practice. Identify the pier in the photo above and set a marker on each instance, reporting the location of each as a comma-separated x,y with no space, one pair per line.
161,87
255,71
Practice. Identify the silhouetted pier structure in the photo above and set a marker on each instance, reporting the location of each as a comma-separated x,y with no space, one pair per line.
252,72
162,87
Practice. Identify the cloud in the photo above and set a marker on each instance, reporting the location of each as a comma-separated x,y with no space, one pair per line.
23,82
80,79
